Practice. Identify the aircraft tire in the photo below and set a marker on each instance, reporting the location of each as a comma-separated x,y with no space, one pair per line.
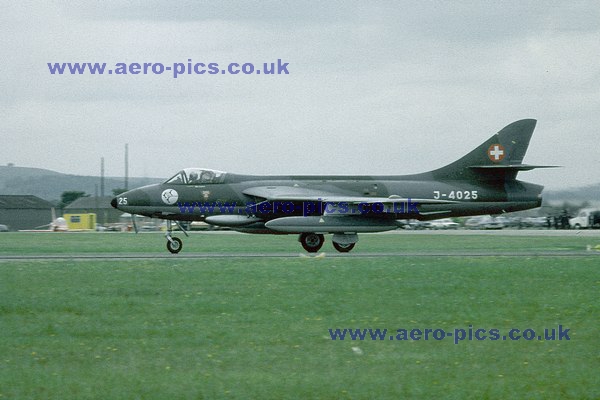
174,245
343,248
312,242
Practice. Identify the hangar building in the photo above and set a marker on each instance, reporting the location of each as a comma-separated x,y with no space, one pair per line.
24,212
98,205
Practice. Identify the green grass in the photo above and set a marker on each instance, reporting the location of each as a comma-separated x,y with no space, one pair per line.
258,328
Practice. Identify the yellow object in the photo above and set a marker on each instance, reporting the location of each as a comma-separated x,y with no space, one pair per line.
80,221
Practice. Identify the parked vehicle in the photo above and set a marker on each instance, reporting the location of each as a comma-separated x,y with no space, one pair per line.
411,224
586,218
501,220
486,222
535,222
473,223
445,223
415,224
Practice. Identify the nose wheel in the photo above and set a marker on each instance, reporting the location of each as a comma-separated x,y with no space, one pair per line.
174,244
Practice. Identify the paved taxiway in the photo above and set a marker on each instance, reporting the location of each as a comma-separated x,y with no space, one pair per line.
451,232
504,232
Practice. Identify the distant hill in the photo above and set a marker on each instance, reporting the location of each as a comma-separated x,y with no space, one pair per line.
590,193
49,185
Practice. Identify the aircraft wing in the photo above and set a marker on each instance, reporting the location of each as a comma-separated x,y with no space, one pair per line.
292,193
351,220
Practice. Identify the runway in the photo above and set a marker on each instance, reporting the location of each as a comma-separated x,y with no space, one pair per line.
200,256
451,232
592,233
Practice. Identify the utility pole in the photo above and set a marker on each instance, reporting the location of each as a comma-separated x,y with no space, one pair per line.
101,176
126,166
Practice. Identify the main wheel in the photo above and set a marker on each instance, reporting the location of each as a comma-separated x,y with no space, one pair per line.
343,248
312,242
174,245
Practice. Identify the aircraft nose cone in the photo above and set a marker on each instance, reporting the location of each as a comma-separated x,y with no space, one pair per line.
113,202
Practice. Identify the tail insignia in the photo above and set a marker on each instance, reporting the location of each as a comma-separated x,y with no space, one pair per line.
496,152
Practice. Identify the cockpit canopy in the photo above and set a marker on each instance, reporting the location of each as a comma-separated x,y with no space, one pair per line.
196,176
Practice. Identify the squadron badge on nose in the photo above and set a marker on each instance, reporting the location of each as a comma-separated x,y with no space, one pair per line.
169,196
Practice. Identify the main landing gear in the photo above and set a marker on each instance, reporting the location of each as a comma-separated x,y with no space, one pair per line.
343,248
174,244
312,242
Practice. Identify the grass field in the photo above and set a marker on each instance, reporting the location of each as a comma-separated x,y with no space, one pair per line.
258,328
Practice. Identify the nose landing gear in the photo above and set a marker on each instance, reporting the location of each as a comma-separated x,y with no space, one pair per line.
174,244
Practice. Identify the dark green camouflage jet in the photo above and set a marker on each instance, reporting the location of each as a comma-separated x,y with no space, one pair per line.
482,182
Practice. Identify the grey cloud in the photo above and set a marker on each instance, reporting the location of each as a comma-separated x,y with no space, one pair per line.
384,87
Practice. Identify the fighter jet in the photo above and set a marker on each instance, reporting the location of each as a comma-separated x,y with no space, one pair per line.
480,183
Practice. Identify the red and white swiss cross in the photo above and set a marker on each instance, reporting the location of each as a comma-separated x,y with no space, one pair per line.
496,152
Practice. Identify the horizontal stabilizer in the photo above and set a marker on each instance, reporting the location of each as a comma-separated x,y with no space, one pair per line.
513,167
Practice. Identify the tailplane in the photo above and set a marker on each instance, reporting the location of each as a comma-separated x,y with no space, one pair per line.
499,158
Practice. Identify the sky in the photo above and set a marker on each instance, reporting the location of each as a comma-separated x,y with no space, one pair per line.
373,87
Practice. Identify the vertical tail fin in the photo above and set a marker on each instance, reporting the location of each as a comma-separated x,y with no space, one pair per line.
499,158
